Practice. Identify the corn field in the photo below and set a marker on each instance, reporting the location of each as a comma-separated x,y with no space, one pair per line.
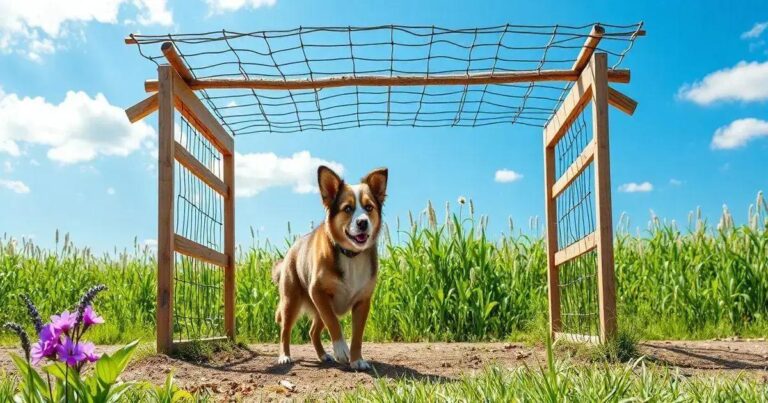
445,280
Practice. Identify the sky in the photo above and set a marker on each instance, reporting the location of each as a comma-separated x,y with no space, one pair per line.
69,159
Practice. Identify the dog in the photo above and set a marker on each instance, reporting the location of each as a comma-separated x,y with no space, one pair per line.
332,270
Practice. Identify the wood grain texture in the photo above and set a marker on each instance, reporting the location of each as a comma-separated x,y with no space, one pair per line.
553,276
201,118
581,162
195,250
199,170
230,279
142,109
576,249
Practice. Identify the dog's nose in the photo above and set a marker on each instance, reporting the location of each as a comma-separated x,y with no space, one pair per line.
362,224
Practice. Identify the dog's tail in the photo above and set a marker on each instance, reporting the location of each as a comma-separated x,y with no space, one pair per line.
276,270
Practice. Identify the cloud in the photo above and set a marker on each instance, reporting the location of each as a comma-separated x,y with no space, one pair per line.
633,187
31,28
675,182
111,191
259,171
507,176
755,31
225,6
14,186
746,81
7,166
78,129
738,133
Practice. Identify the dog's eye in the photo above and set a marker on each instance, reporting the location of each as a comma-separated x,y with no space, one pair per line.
368,208
348,209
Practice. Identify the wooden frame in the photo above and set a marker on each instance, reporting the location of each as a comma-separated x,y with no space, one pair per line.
590,75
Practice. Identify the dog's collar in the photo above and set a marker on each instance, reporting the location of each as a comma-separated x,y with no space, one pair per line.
346,252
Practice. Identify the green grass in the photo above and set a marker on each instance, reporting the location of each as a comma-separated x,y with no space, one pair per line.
442,281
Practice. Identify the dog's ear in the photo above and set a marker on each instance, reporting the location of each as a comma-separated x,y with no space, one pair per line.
377,182
329,183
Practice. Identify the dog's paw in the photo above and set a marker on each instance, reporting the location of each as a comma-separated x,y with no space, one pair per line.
341,351
360,365
284,359
325,358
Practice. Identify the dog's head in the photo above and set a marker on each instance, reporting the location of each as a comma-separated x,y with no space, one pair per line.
353,212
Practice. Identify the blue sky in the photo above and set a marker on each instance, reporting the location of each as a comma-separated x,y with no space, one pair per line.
70,161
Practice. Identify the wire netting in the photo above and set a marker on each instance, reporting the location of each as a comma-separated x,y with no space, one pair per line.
575,220
313,53
198,307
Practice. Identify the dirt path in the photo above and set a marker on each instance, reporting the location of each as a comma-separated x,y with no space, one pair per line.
253,375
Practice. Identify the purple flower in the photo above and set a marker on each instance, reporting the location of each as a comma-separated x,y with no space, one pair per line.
64,322
89,349
70,352
90,317
48,344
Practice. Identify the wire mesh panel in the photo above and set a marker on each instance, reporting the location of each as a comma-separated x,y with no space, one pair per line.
576,220
198,307
316,53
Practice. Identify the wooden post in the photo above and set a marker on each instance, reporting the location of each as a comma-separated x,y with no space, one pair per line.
553,276
604,221
229,246
165,214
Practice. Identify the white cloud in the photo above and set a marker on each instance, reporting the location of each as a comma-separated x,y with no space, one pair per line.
746,81
675,182
78,129
225,6
755,31
31,27
507,176
738,133
259,171
633,187
14,186
111,191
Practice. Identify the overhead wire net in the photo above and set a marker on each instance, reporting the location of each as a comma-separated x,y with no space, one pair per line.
198,306
312,53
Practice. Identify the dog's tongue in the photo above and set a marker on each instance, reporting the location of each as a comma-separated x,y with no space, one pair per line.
361,238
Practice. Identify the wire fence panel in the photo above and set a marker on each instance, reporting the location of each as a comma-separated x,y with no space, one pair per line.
314,53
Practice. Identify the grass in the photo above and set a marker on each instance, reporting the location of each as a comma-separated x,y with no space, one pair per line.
443,281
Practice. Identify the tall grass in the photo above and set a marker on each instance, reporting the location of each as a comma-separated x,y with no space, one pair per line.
444,281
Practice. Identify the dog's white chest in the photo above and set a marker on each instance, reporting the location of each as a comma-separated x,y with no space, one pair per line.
356,277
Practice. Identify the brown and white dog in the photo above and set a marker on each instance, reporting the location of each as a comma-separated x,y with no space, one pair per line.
332,270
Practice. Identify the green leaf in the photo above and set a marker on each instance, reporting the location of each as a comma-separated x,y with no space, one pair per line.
109,367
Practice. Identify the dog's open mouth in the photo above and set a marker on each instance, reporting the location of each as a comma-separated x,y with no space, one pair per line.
359,239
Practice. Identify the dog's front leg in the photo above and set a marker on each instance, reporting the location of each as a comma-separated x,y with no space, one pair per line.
322,301
359,317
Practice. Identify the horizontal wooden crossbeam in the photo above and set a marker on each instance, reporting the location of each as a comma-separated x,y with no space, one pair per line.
198,169
576,249
193,249
575,169
616,75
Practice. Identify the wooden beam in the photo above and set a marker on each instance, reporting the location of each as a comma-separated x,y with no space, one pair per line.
200,117
617,76
142,109
575,169
195,250
604,221
165,211
572,105
621,101
577,338
589,48
576,249
170,53
129,40
553,275
230,289
198,169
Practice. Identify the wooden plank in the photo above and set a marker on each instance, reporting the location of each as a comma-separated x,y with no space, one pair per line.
576,249
589,48
170,53
165,211
195,250
229,247
198,169
569,110
577,338
604,220
621,101
575,169
481,78
130,40
553,276
200,117
142,109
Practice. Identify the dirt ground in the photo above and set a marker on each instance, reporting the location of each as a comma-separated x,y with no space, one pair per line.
252,374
